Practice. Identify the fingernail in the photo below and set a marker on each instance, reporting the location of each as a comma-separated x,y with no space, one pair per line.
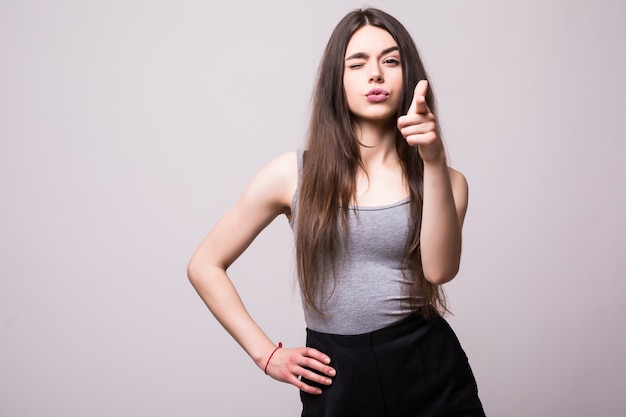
329,381
331,372
327,361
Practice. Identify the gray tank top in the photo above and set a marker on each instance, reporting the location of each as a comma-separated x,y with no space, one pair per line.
370,289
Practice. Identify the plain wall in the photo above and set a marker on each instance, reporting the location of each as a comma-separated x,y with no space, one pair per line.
127,128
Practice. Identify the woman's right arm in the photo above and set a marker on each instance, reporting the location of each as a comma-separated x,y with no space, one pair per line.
268,195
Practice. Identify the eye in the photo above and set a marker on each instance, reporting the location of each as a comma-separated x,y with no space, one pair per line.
391,61
356,65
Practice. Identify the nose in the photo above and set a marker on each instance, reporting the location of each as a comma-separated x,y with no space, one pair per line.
376,76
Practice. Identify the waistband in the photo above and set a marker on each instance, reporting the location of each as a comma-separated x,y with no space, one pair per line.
394,331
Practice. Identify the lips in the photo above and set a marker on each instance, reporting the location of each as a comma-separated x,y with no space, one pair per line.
377,95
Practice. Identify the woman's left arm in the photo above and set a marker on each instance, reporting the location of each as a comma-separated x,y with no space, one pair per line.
445,193
445,204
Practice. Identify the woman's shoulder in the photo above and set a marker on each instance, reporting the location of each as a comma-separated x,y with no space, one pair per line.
278,179
460,191
457,177
283,169
285,164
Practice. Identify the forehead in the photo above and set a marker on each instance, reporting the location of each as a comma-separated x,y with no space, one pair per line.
370,39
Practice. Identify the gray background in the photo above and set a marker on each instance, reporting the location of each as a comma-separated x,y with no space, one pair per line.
128,127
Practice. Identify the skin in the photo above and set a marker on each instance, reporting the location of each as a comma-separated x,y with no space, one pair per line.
369,63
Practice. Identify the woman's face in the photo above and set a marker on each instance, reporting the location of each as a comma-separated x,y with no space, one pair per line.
372,75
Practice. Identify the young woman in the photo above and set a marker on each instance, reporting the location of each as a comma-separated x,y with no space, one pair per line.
377,216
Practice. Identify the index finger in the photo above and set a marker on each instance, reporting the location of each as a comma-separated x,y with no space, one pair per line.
316,354
418,105
318,361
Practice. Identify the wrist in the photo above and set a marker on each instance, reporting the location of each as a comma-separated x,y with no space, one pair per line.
440,161
269,358
261,354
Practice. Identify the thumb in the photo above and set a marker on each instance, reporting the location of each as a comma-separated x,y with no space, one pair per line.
418,105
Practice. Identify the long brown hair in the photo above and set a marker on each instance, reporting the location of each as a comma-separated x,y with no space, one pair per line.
332,158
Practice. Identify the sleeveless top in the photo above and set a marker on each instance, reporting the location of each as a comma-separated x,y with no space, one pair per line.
370,288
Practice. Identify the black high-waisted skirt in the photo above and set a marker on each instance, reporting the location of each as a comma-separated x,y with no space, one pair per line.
413,368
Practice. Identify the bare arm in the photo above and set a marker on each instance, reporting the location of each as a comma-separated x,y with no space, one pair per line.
268,195
445,193
445,204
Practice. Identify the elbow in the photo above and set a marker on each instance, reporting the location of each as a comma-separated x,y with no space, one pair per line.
193,272
201,272
439,276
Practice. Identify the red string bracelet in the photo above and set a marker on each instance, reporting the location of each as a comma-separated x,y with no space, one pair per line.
280,344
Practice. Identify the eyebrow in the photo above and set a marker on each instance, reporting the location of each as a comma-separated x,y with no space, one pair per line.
362,55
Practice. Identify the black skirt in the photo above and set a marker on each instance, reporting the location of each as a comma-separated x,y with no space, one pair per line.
413,368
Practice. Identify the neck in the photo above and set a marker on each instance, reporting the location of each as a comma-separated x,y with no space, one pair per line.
378,142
